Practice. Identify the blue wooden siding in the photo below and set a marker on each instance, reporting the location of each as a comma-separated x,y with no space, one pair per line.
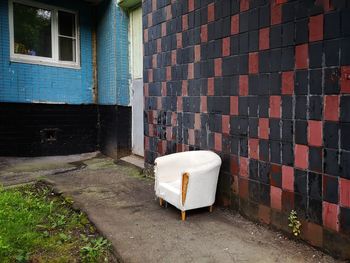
20,82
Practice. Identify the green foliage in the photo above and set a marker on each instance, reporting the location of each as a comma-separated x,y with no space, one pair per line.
294,223
95,250
36,225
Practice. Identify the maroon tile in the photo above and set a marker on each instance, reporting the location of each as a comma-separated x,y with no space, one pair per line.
204,107
253,63
316,28
315,129
204,33
244,5
301,56
243,166
275,106
330,213
264,214
253,148
276,198
210,87
178,40
264,38
345,79
225,126
288,178
264,128
190,71
243,85
235,24
185,88
287,82
234,165
211,12
276,14
234,105
190,5
184,22
301,156
331,107
226,46
344,192
218,67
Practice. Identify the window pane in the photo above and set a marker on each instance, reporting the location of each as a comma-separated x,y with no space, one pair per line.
66,24
32,30
67,49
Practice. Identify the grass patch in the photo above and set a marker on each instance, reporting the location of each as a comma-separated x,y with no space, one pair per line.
38,226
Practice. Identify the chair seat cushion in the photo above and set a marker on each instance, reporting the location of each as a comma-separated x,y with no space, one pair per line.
170,192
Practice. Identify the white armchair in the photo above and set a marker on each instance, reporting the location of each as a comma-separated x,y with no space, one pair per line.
187,180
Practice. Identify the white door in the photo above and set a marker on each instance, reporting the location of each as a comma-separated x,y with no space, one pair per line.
136,64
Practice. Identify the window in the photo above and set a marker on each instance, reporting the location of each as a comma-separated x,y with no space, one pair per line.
42,34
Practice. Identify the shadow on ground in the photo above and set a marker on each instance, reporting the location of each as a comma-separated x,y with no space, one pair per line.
121,203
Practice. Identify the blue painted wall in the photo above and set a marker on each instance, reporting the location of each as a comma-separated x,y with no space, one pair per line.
21,82
112,54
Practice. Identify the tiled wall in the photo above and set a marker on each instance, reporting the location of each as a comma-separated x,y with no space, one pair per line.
266,85
112,54
20,82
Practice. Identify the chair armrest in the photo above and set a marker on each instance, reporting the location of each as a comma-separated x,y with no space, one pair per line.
169,167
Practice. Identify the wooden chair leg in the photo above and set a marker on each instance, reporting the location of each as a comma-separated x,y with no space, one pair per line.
210,208
160,201
183,215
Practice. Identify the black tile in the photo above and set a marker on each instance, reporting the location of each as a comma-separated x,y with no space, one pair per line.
264,152
264,61
275,83
234,45
330,189
264,16
345,51
288,34
287,130
315,81
301,81
274,129
243,147
275,152
287,107
253,41
264,194
275,36
253,127
234,145
300,204
315,54
331,134
314,212
315,185
332,25
264,172
345,108
300,107
264,84
315,159
243,22
331,52
287,154
345,164
253,23
253,170
302,31
331,80
276,176
253,106
287,62
300,182
345,22
263,106
275,60
288,11
331,165
315,107
344,218
345,138
301,132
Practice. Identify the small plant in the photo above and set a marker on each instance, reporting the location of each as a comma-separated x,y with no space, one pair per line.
95,251
294,223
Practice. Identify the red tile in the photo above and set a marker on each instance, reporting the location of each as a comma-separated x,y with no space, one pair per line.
178,40
218,67
145,35
149,19
168,12
150,75
344,195
253,63
226,46
287,82
146,89
146,141
276,198
243,85
316,28
315,137
301,56
234,165
225,124
254,148
190,5
234,24
204,33
244,5
184,88
276,14
275,106
168,73
179,104
154,5
264,38
218,142
345,79
288,178
154,61
197,53
330,216
163,89
190,71
235,185
173,57
210,87
211,12
191,138
169,133
264,128
159,103
314,234
173,118
301,156
184,22
264,214
159,45
243,188
204,104
243,166
164,29
234,105
331,108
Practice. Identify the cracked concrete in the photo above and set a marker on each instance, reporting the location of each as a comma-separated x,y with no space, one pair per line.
121,203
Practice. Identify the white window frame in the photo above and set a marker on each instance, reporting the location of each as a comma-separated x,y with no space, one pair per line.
54,60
